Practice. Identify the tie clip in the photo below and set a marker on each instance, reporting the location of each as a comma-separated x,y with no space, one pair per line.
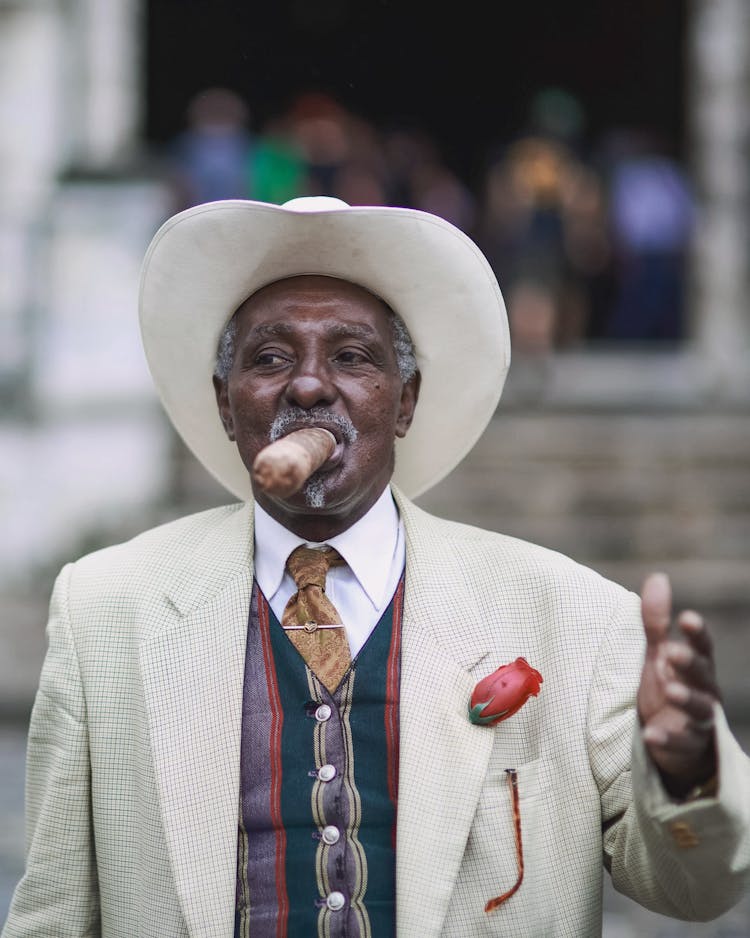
312,626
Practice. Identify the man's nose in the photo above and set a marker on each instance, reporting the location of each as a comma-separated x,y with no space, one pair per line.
310,386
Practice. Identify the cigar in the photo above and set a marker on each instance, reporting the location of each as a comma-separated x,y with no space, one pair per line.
283,467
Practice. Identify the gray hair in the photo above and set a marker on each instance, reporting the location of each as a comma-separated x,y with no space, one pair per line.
403,346
225,350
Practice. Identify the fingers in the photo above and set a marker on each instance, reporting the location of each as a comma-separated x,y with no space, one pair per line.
656,607
689,666
676,740
692,659
683,663
697,705
684,718
693,628
684,756
679,732
684,725
678,689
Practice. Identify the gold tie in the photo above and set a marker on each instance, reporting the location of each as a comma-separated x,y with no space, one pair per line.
310,619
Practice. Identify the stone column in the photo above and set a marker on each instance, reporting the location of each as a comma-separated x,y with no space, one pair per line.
719,117
70,97
31,155
108,77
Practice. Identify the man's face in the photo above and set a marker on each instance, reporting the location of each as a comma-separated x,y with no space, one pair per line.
318,351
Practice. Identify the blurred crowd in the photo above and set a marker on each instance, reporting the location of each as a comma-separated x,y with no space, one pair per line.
589,243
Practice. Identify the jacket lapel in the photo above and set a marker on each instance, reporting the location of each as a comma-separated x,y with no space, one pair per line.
443,757
192,669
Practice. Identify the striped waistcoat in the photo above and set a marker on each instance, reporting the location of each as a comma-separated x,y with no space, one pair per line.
319,774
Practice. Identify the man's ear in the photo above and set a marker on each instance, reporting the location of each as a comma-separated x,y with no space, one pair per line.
222,401
409,397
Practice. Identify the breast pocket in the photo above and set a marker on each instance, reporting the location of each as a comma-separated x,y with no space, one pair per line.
502,852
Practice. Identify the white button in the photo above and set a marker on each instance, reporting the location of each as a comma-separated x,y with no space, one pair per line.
335,901
327,772
323,713
331,834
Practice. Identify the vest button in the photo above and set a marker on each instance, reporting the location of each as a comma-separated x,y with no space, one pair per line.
327,772
335,901
331,834
323,713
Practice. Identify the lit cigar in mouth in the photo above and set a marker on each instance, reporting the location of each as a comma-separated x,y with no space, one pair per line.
283,467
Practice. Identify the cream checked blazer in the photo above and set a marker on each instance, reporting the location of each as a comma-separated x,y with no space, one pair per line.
133,775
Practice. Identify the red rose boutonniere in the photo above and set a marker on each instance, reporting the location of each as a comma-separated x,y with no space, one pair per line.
502,693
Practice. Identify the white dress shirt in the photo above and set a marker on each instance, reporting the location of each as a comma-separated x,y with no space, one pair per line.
374,549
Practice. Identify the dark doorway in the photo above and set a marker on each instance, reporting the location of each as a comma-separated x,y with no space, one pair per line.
465,73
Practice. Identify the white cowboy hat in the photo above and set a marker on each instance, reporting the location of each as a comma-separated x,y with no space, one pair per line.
204,262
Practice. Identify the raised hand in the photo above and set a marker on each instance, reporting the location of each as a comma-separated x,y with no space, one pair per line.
677,692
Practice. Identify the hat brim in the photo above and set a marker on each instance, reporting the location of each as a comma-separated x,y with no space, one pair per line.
204,262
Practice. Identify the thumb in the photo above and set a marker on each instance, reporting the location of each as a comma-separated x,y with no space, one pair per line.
656,607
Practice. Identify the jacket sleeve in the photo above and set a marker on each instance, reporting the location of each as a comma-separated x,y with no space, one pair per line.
58,894
686,860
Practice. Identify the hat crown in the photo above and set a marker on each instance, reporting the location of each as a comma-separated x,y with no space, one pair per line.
315,203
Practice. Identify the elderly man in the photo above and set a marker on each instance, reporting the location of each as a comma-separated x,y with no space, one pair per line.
273,719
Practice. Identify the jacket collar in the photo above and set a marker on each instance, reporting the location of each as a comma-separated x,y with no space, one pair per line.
225,553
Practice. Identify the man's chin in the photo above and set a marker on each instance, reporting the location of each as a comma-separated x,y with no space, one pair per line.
315,493
327,504
317,496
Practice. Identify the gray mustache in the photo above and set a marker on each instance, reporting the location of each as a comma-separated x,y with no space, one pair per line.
315,417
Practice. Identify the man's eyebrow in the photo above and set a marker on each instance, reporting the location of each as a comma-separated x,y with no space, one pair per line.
335,331
269,329
353,330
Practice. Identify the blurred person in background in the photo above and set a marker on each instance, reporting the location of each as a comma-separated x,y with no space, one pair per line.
406,148
209,160
342,151
437,190
320,129
276,170
417,177
543,227
652,212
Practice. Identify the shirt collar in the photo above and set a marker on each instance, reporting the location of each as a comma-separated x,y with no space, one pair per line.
368,547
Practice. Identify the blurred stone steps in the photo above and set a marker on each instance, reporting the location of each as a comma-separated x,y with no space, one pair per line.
671,488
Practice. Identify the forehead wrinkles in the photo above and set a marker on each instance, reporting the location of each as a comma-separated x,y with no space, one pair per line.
317,297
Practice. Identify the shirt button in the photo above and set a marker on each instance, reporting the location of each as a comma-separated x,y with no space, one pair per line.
335,901
323,713
327,772
331,834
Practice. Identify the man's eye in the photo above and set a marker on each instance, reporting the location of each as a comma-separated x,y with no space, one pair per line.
270,358
351,357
